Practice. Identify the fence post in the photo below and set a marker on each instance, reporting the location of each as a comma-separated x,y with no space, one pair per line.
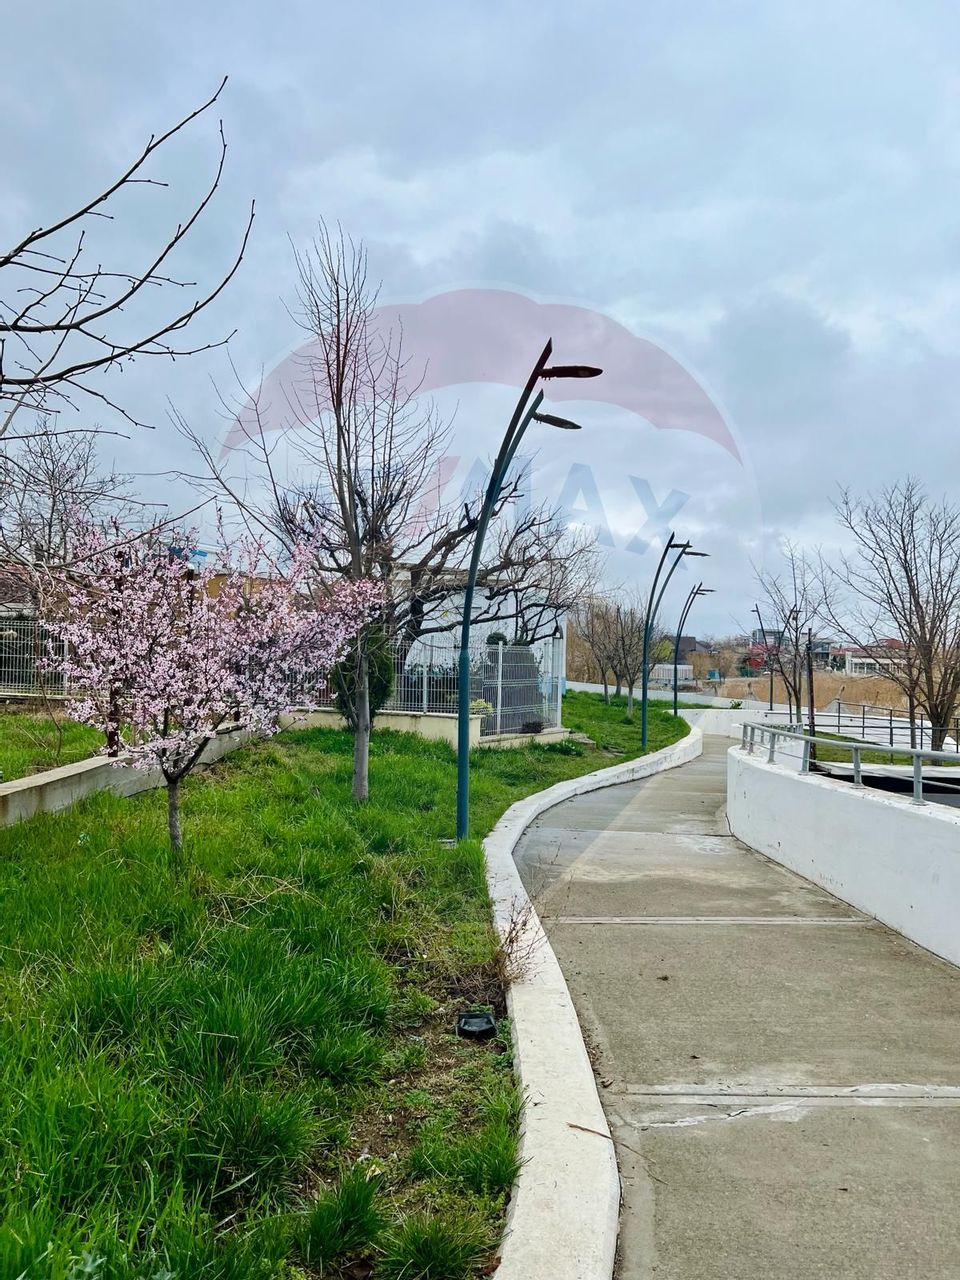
863,719
891,726
918,779
772,753
857,779
805,766
838,714
499,683
558,673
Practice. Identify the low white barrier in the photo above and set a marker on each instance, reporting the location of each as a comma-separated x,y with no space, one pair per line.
59,788
893,859
666,695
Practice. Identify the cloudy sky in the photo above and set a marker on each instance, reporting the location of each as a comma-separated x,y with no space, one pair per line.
768,191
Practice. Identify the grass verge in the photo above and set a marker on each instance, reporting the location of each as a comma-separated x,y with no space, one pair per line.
249,1072
30,743
842,755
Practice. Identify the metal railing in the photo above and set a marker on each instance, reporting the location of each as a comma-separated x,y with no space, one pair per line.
881,726
885,724
752,734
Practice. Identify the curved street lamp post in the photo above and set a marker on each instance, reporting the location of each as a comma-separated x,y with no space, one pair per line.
653,604
698,590
768,653
525,412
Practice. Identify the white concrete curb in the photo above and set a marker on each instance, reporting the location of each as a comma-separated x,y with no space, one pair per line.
564,1211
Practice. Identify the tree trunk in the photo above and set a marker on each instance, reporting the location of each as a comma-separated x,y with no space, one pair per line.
630,700
113,733
912,714
173,818
606,689
361,738
619,688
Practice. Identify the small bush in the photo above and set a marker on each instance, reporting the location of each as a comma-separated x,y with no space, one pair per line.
348,1055
434,1248
341,1223
259,1140
565,747
380,675
485,1162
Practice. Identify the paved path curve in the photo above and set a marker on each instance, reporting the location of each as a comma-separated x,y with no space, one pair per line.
781,1074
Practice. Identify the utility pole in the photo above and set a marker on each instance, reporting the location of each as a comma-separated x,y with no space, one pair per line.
768,652
811,706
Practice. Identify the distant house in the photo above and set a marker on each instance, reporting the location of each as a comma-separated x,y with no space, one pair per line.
766,638
884,658
662,673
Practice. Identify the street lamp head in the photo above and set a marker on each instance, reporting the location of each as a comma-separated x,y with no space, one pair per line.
551,420
706,591
701,554
571,371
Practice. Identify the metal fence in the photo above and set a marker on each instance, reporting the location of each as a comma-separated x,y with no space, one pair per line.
24,644
515,687
881,725
770,738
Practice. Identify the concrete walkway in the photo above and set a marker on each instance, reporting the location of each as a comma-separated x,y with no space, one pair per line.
781,1074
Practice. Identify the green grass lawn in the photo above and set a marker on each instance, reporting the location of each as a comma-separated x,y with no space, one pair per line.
30,743
249,1071
829,755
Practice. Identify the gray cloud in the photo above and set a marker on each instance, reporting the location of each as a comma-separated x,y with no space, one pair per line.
769,190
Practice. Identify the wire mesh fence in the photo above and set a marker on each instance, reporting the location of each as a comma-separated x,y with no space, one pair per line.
25,644
514,687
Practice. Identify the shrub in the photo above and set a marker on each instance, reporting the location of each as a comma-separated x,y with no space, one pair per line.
434,1248
343,677
343,1222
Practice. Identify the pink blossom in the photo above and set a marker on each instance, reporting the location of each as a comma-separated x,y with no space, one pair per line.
168,653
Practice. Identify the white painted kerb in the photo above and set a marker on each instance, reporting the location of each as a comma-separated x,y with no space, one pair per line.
565,1207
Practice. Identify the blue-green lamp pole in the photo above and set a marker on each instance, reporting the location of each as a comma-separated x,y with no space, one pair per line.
698,590
526,411
653,605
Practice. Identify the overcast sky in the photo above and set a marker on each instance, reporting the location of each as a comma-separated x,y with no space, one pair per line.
768,190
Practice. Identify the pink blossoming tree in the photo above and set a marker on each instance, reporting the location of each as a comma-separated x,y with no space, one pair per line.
168,654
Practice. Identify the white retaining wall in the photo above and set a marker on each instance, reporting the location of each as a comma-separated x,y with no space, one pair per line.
59,788
891,858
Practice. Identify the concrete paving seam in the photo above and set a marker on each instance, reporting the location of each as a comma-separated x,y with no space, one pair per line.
564,1212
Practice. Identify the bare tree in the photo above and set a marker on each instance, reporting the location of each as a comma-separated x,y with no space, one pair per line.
66,318
793,602
365,456
901,584
630,617
48,481
594,621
